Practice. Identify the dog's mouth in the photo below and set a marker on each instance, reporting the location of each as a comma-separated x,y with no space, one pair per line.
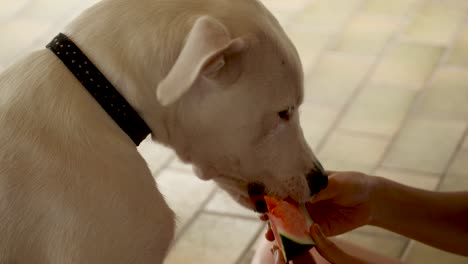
257,197
256,194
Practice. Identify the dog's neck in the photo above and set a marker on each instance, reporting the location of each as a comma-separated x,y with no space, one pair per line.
100,88
134,78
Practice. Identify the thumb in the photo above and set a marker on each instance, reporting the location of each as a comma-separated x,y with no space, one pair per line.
278,255
329,192
329,250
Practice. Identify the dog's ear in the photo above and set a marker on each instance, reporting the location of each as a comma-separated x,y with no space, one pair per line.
203,54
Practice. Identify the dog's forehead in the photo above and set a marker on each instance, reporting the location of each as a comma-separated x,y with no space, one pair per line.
287,74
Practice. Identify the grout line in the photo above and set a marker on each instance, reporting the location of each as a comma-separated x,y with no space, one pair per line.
362,84
358,133
386,235
233,215
332,38
405,170
406,250
413,106
444,117
413,109
164,166
452,158
192,219
178,169
250,244
59,19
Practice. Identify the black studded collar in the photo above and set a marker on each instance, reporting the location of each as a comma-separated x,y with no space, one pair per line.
100,88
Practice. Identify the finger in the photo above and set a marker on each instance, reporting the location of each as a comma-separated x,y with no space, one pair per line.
269,235
328,249
264,217
278,255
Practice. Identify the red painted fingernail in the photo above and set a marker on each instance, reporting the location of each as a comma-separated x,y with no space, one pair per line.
276,255
317,230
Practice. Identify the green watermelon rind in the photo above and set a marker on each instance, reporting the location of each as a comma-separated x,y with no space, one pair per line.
292,249
306,239
293,246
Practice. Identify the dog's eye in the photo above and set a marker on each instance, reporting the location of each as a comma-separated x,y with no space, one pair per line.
286,114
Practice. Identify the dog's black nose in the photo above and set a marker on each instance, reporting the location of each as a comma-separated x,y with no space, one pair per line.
317,180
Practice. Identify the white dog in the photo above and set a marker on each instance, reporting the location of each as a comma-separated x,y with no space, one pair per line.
216,80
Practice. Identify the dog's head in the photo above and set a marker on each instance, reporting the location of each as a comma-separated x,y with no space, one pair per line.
233,97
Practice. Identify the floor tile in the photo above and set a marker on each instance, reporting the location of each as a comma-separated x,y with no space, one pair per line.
214,239
378,110
465,144
179,165
406,65
283,11
421,253
326,16
259,240
289,7
457,175
247,257
425,145
437,22
18,35
51,10
414,179
459,53
316,122
454,183
184,193
11,9
335,78
387,246
347,165
309,45
337,42
447,95
367,33
395,7
155,154
222,203
374,230
350,152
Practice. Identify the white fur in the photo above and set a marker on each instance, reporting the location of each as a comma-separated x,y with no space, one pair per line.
73,188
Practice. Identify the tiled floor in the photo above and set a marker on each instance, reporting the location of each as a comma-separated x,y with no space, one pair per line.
386,93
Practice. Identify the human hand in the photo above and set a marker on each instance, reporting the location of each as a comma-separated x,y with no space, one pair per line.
346,204
306,258
329,251
325,249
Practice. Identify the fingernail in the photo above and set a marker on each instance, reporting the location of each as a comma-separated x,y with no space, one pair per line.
276,255
317,230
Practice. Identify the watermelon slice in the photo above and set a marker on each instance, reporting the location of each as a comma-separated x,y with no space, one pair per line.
290,223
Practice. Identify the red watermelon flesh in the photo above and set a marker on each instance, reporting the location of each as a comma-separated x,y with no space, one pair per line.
290,223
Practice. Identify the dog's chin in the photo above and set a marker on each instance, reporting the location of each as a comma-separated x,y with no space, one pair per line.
243,201
242,198
255,203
